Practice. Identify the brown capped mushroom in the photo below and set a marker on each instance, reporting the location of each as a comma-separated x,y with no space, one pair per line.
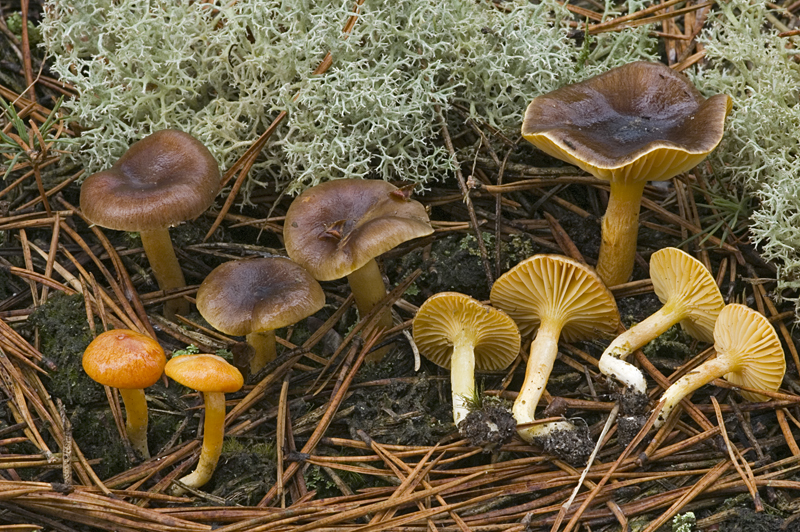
253,297
749,353
635,123
555,297
129,361
164,179
458,333
337,228
690,296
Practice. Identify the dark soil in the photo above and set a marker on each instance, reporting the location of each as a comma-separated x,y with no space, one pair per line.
488,427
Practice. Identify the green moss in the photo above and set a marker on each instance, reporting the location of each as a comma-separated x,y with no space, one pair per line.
222,71
245,472
64,334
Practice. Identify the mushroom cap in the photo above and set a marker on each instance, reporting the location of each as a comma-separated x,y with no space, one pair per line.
557,288
637,121
683,280
164,179
244,296
750,338
447,315
204,373
337,227
125,359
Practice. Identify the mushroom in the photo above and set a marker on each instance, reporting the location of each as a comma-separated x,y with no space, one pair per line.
213,376
164,179
553,296
632,124
253,297
458,333
749,353
337,228
690,296
131,362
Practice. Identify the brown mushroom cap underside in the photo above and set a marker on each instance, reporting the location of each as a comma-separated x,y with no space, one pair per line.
446,315
750,337
164,179
244,296
124,359
204,373
677,276
558,288
639,120
336,227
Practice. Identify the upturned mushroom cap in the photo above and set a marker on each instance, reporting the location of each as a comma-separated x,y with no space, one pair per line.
683,280
164,179
336,227
638,121
445,316
204,373
749,337
124,359
558,288
244,296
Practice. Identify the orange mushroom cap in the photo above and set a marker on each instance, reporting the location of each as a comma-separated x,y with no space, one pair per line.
204,373
125,359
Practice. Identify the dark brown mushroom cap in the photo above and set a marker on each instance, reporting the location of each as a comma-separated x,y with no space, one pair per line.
560,289
337,227
125,359
204,373
637,121
244,296
164,179
446,316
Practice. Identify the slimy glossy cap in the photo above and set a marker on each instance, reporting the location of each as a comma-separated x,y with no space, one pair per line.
125,359
204,373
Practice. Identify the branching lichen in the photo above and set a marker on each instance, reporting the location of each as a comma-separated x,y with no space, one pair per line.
759,152
222,71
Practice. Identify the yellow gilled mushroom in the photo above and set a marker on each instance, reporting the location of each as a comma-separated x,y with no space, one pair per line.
635,123
555,297
690,296
749,353
458,333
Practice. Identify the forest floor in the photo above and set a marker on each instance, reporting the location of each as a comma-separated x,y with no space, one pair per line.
323,441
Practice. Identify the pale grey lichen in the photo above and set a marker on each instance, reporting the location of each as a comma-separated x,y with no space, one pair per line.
759,151
222,71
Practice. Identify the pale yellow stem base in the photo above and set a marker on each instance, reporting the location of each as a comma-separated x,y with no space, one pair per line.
462,375
264,344
368,289
619,233
136,420
701,375
213,434
166,269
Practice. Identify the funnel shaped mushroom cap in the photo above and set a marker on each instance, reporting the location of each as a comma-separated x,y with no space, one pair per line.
748,337
337,227
448,315
164,179
244,296
124,359
681,280
640,121
556,288
204,373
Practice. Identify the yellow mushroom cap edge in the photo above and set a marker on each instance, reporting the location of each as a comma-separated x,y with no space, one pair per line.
204,373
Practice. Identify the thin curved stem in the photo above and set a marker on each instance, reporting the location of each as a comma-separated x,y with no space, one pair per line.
166,269
136,419
263,342
462,376
701,375
544,350
619,233
213,434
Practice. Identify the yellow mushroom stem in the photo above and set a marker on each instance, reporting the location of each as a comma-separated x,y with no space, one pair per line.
263,342
701,375
166,269
136,419
613,363
213,433
368,289
544,350
620,230
462,374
